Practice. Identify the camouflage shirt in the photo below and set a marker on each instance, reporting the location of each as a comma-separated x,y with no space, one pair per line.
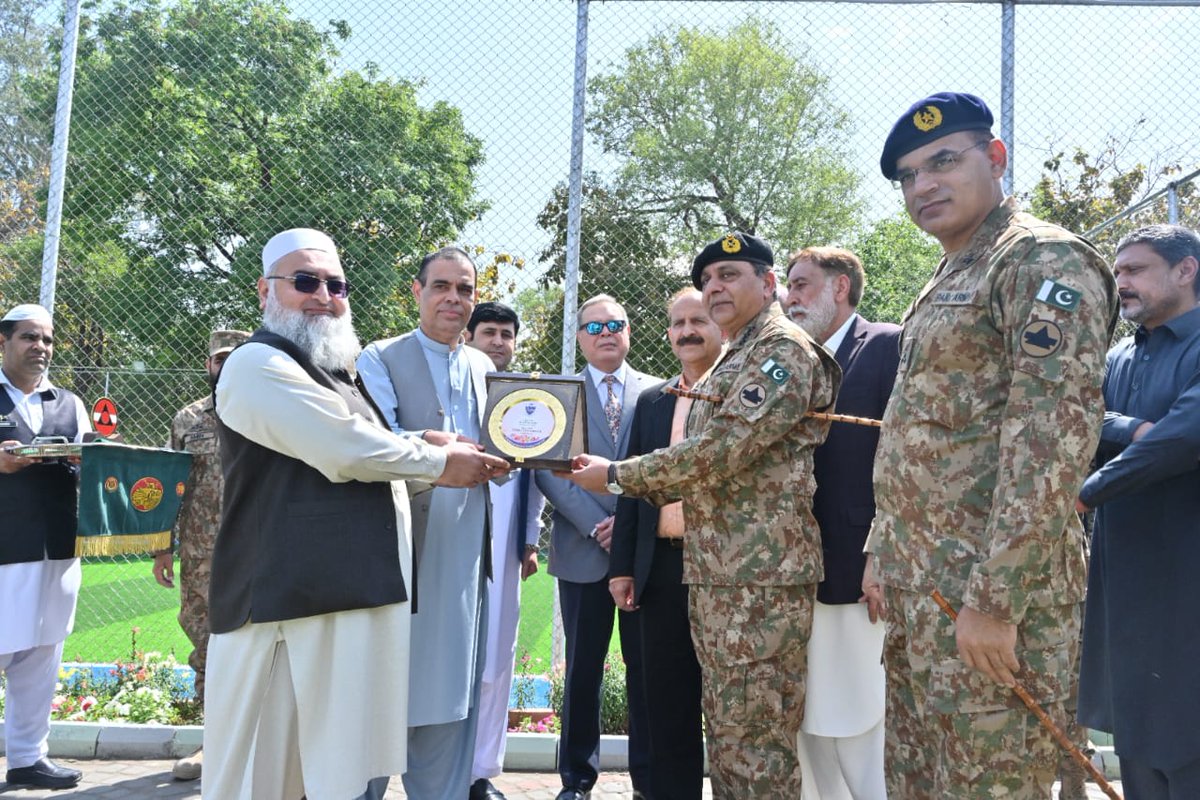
194,429
995,414
745,472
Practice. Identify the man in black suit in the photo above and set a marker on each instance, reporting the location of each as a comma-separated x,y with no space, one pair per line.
647,566
841,739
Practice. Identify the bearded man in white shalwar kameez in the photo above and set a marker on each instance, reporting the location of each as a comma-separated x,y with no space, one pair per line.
311,569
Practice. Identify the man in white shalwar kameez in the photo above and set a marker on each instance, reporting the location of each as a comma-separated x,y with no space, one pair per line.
430,386
841,743
493,329
311,571
39,574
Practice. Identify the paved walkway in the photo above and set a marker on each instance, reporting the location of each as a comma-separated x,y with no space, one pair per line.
137,780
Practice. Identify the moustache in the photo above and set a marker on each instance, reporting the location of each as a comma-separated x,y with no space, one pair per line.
682,340
1129,295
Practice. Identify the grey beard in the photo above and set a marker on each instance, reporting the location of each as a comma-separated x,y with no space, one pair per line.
819,315
330,342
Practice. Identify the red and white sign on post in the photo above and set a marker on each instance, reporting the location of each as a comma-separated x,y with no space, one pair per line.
104,416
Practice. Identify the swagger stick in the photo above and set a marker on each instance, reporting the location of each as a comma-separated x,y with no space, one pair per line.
874,423
1044,718
716,398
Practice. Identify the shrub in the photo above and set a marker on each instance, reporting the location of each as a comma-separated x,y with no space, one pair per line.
614,703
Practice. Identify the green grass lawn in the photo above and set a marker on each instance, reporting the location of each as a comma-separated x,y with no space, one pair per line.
120,594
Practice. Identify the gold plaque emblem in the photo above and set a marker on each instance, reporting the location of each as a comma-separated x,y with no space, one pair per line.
731,244
527,423
928,118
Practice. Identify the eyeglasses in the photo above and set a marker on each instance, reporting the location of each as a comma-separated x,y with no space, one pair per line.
595,328
906,178
308,284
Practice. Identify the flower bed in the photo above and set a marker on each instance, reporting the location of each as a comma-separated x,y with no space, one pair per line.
147,688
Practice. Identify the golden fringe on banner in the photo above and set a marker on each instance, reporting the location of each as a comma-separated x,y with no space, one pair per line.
122,545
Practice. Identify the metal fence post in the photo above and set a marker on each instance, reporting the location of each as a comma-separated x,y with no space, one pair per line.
58,158
1008,35
574,215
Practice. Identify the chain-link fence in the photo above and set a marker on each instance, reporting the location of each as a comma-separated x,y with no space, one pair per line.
201,127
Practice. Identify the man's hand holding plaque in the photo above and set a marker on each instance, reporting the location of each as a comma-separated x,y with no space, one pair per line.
588,472
466,463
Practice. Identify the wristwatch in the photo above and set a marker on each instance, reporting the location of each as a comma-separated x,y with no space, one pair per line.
612,486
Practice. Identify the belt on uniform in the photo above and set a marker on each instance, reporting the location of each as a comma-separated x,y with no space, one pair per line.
675,542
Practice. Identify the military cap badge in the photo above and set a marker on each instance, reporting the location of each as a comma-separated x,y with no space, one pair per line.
734,246
928,118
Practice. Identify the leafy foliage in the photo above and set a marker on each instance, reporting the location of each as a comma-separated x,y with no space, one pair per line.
622,253
203,127
730,130
898,260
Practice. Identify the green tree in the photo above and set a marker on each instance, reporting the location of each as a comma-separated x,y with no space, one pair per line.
1081,191
24,147
201,128
622,253
898,260
730,130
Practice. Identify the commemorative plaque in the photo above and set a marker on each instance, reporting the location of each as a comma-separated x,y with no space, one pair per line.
535,420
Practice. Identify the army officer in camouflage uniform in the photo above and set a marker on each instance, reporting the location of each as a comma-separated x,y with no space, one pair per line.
986,439
752,555
194,429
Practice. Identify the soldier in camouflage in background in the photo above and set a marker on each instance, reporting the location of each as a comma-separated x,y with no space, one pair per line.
194,429
752,553
995,414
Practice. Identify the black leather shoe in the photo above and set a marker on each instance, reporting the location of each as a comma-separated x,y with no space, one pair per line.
45,774
482,789
573,794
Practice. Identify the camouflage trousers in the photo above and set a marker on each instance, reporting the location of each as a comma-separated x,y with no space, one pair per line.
193,618
751,643
954,733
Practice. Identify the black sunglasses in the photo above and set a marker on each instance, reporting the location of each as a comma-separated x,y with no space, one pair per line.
308,284
594,328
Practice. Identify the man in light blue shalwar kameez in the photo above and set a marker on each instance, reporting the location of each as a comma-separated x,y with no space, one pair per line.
428,383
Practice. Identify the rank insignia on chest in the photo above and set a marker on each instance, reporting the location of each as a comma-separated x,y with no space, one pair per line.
774,371
1055,294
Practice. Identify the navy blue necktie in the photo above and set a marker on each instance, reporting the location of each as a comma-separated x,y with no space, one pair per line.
522,512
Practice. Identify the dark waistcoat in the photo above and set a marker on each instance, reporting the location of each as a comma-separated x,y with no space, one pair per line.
40,502
291,543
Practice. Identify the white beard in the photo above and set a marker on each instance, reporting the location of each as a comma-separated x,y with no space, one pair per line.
330,342
819,315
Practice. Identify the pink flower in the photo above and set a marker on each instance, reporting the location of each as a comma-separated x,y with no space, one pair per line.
87,702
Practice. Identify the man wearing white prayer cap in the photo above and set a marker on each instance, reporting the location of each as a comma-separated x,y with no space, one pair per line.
311,570
39,573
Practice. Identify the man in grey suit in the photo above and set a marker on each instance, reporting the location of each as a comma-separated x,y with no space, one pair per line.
428,383
579,545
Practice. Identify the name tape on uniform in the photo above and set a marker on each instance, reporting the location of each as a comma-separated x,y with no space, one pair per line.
1055,294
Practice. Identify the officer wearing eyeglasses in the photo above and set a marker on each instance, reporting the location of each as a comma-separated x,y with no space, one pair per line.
995,413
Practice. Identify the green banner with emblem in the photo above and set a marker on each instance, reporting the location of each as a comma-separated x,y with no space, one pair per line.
129,498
